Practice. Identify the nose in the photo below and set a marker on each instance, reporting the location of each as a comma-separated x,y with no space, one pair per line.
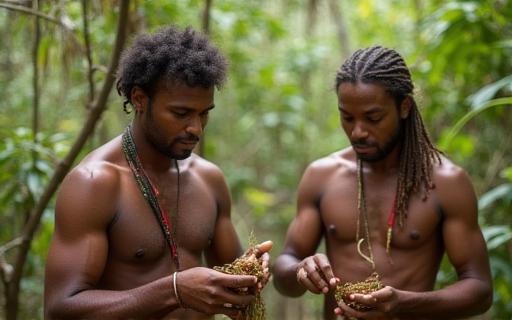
359,132
195,126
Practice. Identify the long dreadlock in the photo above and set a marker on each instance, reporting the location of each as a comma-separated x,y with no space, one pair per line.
386,67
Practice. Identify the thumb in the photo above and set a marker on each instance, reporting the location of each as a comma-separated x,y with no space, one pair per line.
263,247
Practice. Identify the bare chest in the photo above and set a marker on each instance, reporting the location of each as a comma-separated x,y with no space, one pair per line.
342,218
136,234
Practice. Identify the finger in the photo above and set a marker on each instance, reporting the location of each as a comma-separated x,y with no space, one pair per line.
302,278
230,312
235,281
365,299
228,297
325,267
265,258
316,278
384,294
263,247
348,311
338,311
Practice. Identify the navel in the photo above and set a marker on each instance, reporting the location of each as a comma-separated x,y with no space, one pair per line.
414,235
331,229
140,253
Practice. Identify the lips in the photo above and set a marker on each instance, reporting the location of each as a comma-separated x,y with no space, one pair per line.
362,149
188,142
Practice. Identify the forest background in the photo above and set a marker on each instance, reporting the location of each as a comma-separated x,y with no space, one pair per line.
276,114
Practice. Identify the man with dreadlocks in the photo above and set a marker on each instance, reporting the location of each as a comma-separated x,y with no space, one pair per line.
136,218
389,207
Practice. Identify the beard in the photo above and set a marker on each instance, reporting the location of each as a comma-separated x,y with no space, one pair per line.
167,147
385,150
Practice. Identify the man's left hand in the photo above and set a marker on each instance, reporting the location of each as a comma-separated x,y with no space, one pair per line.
383,302
261,251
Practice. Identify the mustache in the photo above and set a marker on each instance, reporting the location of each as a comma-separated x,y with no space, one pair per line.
188,138
363,143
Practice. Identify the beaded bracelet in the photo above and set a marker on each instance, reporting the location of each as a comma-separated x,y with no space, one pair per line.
175,286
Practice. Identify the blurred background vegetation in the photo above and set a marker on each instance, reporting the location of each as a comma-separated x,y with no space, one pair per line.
276,114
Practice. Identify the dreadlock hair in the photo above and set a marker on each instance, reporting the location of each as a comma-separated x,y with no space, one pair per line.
171,54
385,67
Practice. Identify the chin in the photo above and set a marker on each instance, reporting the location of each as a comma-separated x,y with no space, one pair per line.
370,157
182,155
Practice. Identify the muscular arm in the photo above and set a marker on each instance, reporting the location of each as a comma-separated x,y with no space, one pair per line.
85,206
466,249
302,238
225,246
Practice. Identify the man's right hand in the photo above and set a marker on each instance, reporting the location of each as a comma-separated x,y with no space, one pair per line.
315,274
212,292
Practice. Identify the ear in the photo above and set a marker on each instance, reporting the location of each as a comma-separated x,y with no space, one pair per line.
405,107
139,99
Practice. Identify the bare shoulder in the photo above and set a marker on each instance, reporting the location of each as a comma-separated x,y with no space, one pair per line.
205,169
447,174
454,189
343,160
89,192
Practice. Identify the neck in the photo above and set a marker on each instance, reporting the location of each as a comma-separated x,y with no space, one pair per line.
152,159
389,164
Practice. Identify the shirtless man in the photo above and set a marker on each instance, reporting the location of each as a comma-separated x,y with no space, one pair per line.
136,218
392,176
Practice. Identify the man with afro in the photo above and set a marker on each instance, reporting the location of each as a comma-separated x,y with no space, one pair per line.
136,216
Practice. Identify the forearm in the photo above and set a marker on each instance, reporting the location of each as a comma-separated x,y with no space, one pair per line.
465,298
153,298
285,276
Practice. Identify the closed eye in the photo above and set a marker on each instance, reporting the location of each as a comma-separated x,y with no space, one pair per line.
375,119
180,114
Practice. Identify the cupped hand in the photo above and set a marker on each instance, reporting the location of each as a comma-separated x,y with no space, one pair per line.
315,274
212,292
383,303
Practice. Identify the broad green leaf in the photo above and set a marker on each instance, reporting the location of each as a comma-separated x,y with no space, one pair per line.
495,194
489,91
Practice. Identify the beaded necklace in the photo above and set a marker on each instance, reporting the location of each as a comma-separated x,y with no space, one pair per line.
361,206
151,193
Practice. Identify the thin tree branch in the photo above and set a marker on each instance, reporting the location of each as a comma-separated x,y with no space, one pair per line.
206,16
35,77
88,54
5,268
10,245
35,13
341,27
311,17
206,30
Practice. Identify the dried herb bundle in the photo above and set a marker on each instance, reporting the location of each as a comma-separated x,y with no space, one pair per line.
343,291
248,264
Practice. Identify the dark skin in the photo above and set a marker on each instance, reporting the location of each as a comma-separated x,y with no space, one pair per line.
108,258
327,207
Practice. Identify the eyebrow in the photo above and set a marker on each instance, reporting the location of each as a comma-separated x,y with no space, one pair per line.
177,106
369,111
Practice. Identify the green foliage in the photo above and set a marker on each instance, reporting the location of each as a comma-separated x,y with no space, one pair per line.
277,113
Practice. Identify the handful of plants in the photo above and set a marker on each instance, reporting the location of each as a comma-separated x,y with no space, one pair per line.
343,291
248,264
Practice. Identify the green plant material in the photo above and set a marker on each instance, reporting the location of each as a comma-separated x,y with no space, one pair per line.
248,264
343,291
471,114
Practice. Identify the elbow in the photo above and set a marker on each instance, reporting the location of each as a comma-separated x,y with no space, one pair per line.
285,290
285,282
486,298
